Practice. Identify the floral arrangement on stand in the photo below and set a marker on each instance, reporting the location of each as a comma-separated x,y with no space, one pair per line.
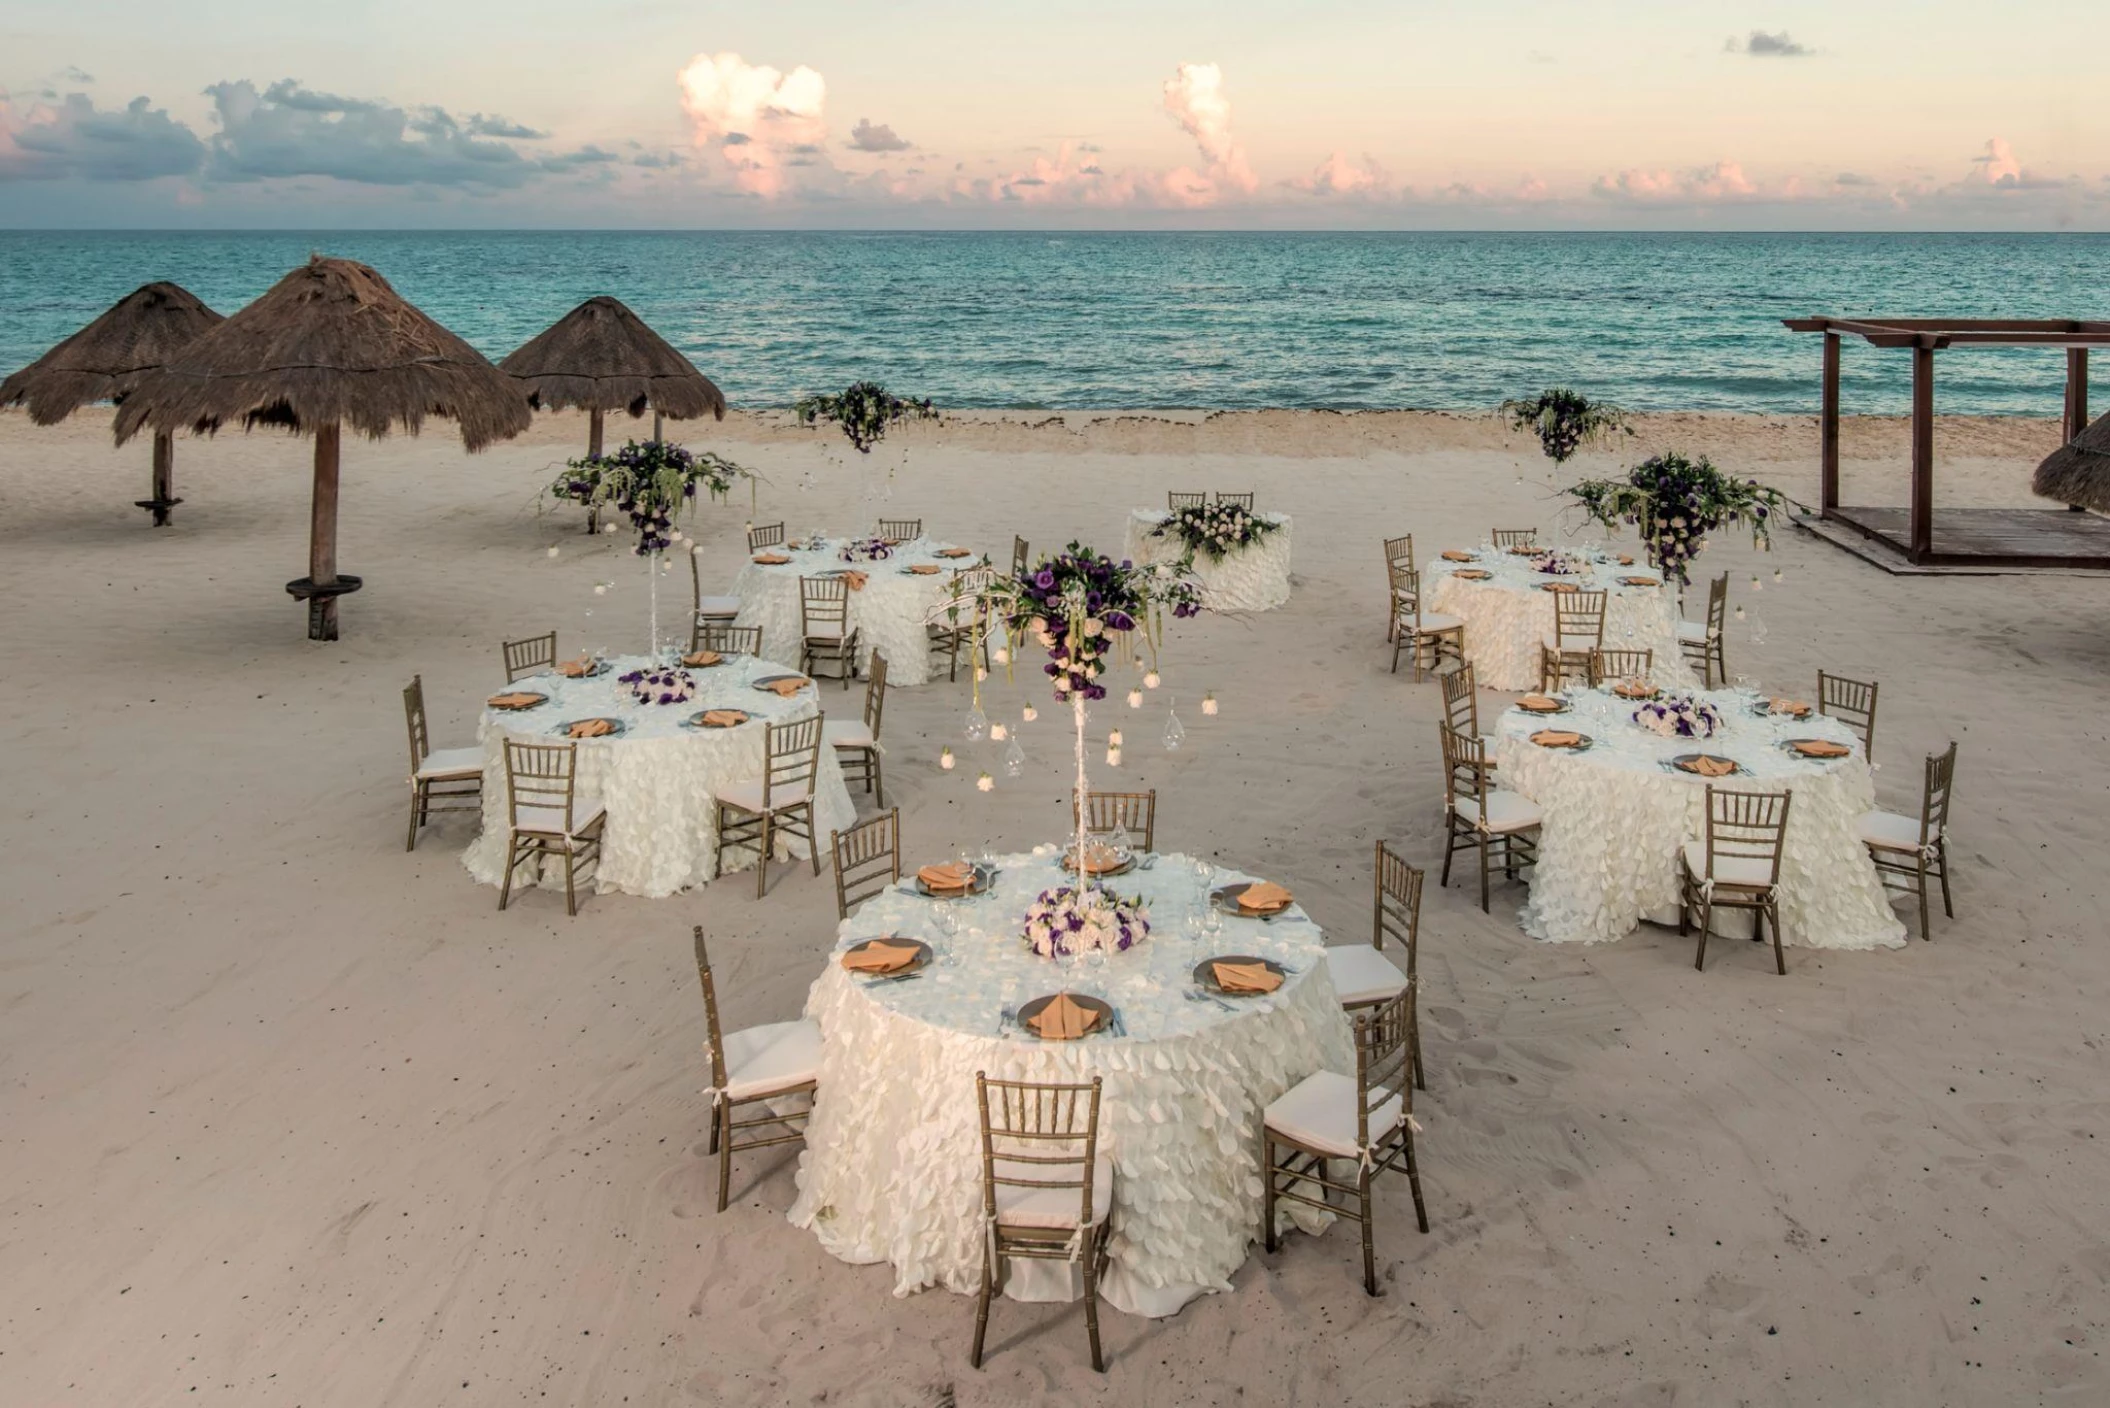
1564,421
660,686
1065,922
1215,530
1675,503
864,411
1554,562
650,481
867,550
1679,716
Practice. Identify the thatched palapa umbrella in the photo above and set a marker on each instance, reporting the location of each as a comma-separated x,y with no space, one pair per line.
602,357
330,345
106,359
2078,472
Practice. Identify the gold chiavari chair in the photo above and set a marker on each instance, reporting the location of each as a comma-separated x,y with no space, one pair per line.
1047,1188
1175,501
1516,537
1736,866
1365,1120
1133,812
1362,975
1481,816
1244,501
532,656
1578,632
709,610
764,1066
956,633
1906,851
546,815
867,860
753,811
1612,666
1021,556
1702,641
826,634
1399,553
856,741
450,780
1429,636
1851,702
900,530
726,639
1461,707
764,535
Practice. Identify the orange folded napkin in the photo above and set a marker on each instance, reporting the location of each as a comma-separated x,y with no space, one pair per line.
1793,708
1707,765
592,728
1064,1019
1245,977
1631,689
882,956
1263,897
788,685
1539,704
1472,574
770,559
855,580
1453,555
1639,582
573,669
955,552
950,876
514,701
1522,551
701,658
924,569
1098,858
1560,587
1625,561
723,718
1820,748
1556,738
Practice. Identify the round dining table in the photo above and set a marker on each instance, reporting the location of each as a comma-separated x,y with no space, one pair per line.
1251,578
1507,606
889,611
658,777
892,1166
1619,811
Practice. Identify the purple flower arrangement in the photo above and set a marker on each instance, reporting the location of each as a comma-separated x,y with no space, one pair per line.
1064,921
648,480
1676,503
1073,602
660,686
1679,716
867,550
1555,563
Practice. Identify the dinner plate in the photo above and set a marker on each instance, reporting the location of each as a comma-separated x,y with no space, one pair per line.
915,965
1559,708
1125,863
1226,900
592,673
539,701
1680,763
984,877
563,730
1787,745
695,720
766,681
1584,746
1205,974
1102,1013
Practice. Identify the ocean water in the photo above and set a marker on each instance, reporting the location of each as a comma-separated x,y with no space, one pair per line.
1220,320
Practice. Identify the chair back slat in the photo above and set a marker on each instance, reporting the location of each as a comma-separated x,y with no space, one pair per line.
794,754
1398,905
1578,620
1134,812
1718,604
1244,501
900,530
540,775
824,607
1516,537
728,639
1461,699
1399,551
714,1034
1384,1040
764,535
1746,826
1465,781
1406,590
1852,702
867,860
414,715
1175,501
1613,666
875,693
1021,556
531,656
1934,802
1052,1130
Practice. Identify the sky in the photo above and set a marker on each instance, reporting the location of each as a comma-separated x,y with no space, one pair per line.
970,114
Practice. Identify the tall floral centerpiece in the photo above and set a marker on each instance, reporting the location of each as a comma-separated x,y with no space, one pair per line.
1564,421
1675,503
864,411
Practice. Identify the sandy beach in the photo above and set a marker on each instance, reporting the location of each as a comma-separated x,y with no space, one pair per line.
288,1116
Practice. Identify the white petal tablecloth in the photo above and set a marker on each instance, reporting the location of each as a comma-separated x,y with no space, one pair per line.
1616,818
1509,615
889,612
658,779
892,1166
1254,578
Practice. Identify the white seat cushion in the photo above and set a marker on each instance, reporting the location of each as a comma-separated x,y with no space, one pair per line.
1051,1207
1888,831
847,733
1573,647
765,1060
1506,811
1742,872
456,762
718,607
549,821
748,795
1694,631
1361,974
1432,621
1318,1113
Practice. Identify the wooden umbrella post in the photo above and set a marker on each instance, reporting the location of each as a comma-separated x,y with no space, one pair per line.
594,429
164,491
323,584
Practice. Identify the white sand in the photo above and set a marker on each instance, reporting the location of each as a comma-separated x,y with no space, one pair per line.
290,1117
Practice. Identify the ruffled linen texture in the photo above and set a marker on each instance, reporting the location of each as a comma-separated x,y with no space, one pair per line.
890,611
1508,616
658,780
1616,818
1253,578
892,1167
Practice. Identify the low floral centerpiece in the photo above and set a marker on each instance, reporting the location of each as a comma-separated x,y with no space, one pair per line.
1065,921
867,550
1215,530
1554,562
1676,503
660,685
1679,716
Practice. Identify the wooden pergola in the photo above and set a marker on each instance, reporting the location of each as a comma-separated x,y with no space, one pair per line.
1966,537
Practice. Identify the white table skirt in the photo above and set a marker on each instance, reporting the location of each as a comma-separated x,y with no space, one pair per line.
889,612
659,780
1508,616
1616,820
892,1165
1254,578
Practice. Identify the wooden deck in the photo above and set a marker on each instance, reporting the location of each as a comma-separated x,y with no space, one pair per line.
1973,540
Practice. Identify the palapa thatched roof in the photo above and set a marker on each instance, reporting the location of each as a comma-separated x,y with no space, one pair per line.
601,357
330,342
107,358
2078,472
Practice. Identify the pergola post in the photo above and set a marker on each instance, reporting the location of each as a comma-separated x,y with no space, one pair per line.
1828,431
1922,450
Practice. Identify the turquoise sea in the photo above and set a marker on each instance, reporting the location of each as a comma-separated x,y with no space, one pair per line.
1449,321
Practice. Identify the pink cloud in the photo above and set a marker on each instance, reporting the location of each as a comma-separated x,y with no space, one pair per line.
1338,176
1997,166
1195,97
1721,181
760,118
